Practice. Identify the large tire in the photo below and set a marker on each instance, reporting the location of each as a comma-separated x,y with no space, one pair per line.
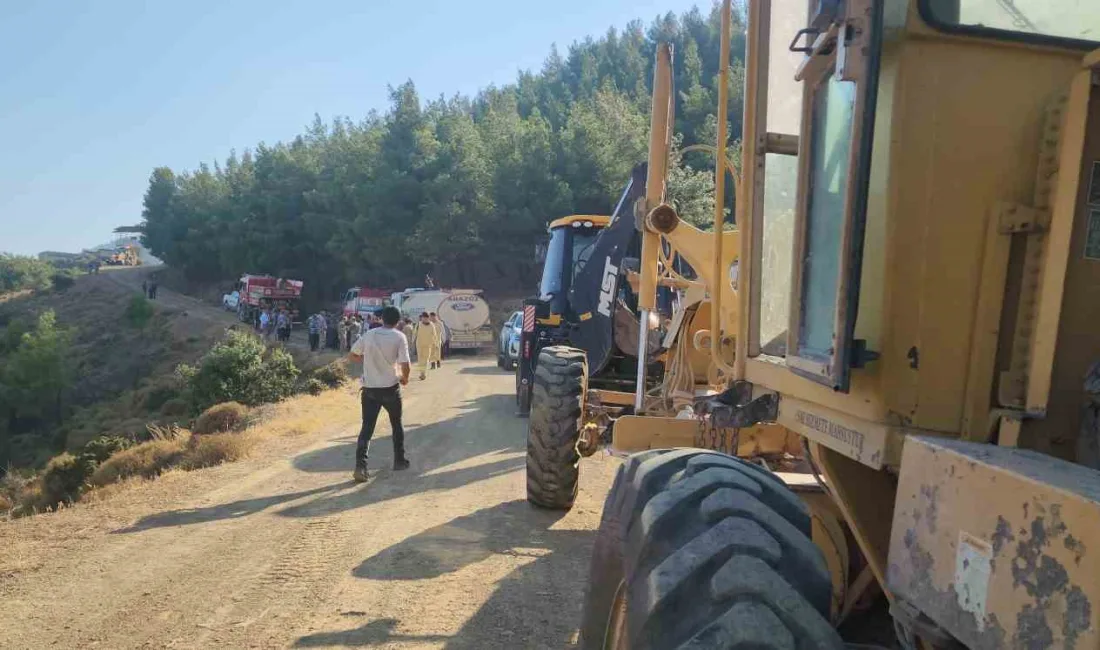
701,550
557,405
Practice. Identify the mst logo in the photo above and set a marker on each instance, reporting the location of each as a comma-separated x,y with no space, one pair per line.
607,288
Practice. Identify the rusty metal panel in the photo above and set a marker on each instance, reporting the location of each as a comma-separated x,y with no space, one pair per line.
999,546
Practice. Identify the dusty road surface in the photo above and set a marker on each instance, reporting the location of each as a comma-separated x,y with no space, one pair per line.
284,550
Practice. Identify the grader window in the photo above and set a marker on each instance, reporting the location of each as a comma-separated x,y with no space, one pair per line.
1072,22
782,97
840,80
830,148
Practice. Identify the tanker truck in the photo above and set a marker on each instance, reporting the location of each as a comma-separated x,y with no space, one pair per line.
463,311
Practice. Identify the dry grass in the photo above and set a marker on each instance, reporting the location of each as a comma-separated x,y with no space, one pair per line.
145,460
222,418
215,449
173,449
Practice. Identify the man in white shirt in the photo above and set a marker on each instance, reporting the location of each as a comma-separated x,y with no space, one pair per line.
381,351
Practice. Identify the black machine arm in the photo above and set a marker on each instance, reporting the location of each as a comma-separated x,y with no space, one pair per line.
595,290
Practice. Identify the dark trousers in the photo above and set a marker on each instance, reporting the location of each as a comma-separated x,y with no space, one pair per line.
374,400
314,340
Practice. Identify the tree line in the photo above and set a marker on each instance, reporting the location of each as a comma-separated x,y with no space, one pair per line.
457,186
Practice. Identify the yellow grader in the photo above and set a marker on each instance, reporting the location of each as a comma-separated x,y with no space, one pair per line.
879,419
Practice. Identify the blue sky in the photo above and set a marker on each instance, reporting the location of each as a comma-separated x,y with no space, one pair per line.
93,95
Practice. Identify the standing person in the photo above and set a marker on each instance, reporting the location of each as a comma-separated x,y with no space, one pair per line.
409,330
282,325
265,324
313,326
425,343
437,349
153,290
332,332
355,328
322,322
145,288
381,351
445,350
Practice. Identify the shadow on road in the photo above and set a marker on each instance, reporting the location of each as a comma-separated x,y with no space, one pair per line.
432,448
233,510
535,606
373,633
464,541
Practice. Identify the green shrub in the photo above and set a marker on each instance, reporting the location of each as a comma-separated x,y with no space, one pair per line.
175,408
35,372
222,418
242,369
139,311
332,375
63,479
159,393
19,272
100,449
313,386
62,281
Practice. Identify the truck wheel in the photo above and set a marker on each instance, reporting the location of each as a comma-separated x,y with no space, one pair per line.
557,405
701,550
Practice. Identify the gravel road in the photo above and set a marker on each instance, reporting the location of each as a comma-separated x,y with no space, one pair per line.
284,550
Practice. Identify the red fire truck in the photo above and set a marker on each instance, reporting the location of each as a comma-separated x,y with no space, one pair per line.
364,300
254,293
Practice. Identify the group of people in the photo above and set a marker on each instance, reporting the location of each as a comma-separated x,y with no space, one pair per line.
323,331
326,330
275,322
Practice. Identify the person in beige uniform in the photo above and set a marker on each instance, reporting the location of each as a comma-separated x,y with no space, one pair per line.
437,344
409,331
425,344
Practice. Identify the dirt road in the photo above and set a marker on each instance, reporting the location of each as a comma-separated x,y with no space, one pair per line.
283,550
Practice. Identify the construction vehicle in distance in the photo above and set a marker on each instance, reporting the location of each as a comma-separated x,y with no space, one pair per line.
919,309
123,256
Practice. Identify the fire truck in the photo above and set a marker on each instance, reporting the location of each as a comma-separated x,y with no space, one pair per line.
364,300
254,293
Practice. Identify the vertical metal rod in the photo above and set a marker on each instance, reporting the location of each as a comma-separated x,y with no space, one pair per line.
720,189
660,138
643,355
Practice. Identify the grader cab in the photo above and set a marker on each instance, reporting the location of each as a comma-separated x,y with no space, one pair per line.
912,292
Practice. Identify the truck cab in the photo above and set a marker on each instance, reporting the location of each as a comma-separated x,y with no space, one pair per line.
572,240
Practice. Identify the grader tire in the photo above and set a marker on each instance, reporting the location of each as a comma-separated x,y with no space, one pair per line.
701,550
557,404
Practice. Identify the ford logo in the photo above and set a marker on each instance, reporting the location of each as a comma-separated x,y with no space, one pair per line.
462,306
